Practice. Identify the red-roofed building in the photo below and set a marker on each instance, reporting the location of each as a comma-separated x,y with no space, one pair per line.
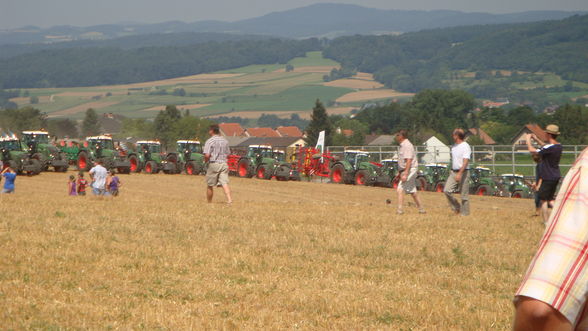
231,130
347,132
289,131
481,134
520,138
262,132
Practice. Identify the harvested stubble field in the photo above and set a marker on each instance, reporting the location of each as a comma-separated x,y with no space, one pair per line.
285,255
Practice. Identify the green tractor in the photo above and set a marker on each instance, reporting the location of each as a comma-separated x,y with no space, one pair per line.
432,177
98,148
38,146
387,173
283,170
356,168
13,156
483,182
259,162
188,157
515,186
148,156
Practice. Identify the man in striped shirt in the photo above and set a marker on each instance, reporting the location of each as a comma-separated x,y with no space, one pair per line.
216,151
554,292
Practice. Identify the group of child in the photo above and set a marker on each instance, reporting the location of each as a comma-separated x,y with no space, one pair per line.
78,187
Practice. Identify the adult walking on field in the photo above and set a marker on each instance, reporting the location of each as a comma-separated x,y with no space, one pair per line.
216,151
461,153
550,175
98,175
554,292
407,171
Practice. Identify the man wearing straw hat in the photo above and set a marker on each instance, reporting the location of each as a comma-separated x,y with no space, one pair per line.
550,152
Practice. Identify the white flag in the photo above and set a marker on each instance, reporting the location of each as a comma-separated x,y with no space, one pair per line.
320,143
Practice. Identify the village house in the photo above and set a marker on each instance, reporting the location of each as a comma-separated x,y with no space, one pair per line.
519,140
232,130
477,132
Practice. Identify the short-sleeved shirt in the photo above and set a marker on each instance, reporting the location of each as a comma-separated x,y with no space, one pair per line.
406,151
458,153
9,183
99,175
218,149
550,156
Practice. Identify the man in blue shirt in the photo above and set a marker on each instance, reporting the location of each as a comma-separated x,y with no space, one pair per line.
10,176
550,175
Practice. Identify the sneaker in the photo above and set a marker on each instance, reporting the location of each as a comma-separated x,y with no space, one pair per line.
422,211
399,212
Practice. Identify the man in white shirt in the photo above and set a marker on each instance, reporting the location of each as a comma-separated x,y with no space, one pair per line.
407,172
98,174
461,154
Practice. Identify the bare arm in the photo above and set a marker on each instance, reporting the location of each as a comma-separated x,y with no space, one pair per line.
464,166
404,176
530,145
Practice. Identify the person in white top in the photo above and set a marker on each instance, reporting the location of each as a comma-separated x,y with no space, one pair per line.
98,174
407,172
461,154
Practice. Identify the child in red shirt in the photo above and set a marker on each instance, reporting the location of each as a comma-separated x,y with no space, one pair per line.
82,183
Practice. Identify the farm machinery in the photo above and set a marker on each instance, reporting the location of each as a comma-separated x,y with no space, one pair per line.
262,162
356,168
13,156
188,157
515,186
37,144
97,148
482,182
148,157
433,177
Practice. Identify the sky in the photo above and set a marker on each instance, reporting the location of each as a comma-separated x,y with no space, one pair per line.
46,13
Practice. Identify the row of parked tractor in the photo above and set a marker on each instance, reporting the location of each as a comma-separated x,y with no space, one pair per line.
34,152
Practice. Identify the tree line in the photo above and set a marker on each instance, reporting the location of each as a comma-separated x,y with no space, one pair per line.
110,65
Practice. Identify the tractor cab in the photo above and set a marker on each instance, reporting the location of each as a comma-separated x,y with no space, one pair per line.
356,158
12,154
279,156
257,151
99,144
189,146
515,186
32,139
149,148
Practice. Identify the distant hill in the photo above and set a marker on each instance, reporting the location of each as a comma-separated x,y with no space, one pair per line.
320,20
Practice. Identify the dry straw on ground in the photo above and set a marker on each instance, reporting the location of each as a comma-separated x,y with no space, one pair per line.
285,255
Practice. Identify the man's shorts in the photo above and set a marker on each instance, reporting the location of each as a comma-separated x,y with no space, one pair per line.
217,174
7,190
409,186
98,191
547,190
558,274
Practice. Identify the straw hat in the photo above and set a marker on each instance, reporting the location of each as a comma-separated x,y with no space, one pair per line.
552,129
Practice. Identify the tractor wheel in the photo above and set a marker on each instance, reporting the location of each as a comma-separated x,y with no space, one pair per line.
191,168
135,164
151,167
361,177
264,172
337,174
517,194
439,187
283,172
483,190
83,162
421,183
36,166
243,169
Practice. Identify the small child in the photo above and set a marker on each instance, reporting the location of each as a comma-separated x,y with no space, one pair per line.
113,183
10,176
82,183
71,185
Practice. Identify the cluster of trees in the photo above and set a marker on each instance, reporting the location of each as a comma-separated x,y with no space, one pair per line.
29,118
109,65
438,112
426,60
168,126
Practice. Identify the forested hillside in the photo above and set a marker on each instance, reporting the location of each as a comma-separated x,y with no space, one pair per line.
427,59
108,65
